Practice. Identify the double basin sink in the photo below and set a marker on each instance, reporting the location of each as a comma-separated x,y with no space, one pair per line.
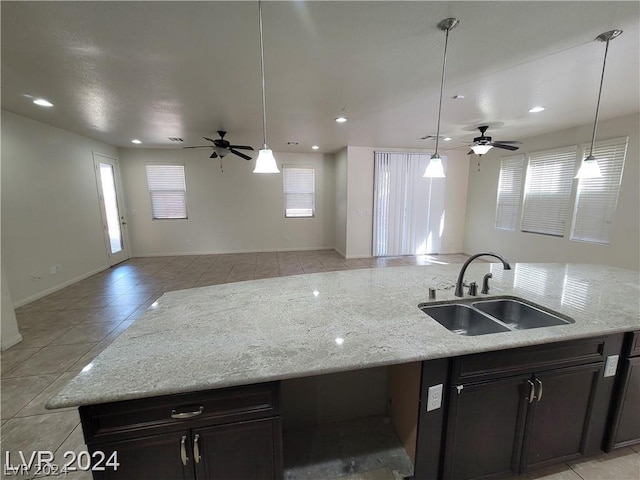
492,316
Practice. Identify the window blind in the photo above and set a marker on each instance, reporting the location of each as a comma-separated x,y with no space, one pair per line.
509,192
299,191
167,188
547,191
597,198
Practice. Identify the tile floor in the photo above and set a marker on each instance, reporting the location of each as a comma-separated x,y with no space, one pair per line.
64,331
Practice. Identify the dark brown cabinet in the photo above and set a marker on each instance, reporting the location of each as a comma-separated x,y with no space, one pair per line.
222,434
515,410
625,428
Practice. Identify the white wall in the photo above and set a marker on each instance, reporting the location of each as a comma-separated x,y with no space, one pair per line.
341,201
480,232
50,211
360,175
234,211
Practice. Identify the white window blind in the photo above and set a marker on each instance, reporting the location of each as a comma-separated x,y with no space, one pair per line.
597,198
299,191
509,192
547,191
168,191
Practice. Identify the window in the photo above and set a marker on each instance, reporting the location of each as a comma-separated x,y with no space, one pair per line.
547,191
597,198
299,191
168,191
509,192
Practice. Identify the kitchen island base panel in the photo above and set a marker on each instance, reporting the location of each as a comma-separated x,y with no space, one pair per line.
344,448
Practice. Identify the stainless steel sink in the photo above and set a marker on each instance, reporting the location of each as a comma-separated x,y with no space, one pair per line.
463,319
518,315
492,316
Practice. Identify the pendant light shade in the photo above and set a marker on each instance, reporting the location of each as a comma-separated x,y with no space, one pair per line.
434,168
266,162
481,149
590,167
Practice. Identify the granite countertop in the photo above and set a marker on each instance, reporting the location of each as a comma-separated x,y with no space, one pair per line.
303,325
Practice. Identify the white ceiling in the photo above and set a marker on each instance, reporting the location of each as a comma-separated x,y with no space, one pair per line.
153,70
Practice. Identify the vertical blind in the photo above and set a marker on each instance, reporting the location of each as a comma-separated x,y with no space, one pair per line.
509,192
168,191
299,185
597,198
547,191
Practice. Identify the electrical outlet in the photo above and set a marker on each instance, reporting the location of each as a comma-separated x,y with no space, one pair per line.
611,367
434,397
35,277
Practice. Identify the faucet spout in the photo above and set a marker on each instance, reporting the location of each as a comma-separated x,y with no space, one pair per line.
459,283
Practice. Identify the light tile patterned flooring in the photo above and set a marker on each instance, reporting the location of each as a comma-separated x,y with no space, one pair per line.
65,330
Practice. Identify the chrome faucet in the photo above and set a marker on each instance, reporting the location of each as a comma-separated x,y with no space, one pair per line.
459,283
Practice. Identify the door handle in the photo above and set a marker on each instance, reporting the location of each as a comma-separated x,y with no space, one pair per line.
189,414
196,448
183,450
532,391
539,389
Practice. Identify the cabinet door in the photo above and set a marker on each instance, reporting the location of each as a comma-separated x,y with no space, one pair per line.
243,451
149,458
485,428
627,419
557,422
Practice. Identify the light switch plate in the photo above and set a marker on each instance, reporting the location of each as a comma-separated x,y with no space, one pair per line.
611,367
434,400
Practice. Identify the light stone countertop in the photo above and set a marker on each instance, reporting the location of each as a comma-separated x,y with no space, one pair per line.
303,325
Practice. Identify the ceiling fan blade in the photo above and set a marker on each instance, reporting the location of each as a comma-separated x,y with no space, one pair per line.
199,146
213,155
241,155
506,147
509,141
241,147
210,139
470,152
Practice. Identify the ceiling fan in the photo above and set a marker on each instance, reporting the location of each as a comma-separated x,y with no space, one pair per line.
222,147
483,143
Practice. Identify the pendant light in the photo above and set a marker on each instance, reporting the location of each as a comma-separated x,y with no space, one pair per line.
590,167
266,162
434,168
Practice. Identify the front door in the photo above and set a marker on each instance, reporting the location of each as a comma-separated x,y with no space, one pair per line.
113,221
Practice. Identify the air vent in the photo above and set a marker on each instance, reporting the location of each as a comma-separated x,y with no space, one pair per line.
176,139
293,142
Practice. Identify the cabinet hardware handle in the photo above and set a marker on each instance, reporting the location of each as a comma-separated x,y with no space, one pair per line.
183,450
532,391
459,387
196,448
183,415
539,389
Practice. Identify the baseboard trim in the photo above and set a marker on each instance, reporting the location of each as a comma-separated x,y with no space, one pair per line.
11,342
48,291
223,252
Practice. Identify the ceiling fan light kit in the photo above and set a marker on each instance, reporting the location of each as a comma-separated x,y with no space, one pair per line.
434,167
481,149
590,167
266,162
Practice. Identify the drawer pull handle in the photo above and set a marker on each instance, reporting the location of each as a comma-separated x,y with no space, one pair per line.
189,414
196,448
183,450
539,389
532,390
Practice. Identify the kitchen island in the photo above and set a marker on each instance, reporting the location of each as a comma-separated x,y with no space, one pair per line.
259,333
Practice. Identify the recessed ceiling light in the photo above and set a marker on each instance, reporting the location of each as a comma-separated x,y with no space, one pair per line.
136,141
536,109
42,102
315,147
447,139
341,119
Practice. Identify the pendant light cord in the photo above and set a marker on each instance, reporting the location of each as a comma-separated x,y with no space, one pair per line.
264,104
444,65
595,123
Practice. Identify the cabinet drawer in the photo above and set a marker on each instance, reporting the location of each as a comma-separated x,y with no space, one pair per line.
526,359
634,344
211,407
